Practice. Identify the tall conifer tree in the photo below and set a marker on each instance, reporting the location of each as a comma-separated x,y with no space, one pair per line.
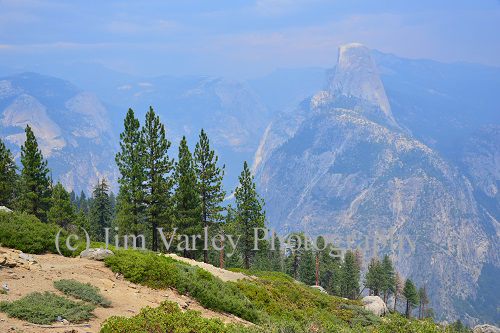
35,189
186,199
398,289
424,300
249,213
83,205
100,210
158,181
388,287
8,176
349,275
374,278
209,184
130,161
411,295
62,212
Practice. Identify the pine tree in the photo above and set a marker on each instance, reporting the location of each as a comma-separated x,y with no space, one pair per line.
307,266
358,259
62,212
349,275
130,161
230,228
158,181
73,198
411,295
84,204
398,288
186,199
374,278
249,214
294,253
329,276
35,181
424,300
209,184
8,176
100,211
389,281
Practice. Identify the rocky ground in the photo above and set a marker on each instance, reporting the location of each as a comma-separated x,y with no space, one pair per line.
127,298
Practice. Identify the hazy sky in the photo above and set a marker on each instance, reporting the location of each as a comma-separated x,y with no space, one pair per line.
241,38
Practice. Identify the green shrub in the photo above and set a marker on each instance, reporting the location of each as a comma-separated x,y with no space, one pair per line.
27,233
282,298
399,324
43,308
169,318
161,272
84,291
165,318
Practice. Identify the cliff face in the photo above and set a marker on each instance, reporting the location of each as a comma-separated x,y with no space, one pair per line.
339,164
72,128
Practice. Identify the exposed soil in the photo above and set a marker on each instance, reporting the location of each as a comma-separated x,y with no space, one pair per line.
222,274
126,298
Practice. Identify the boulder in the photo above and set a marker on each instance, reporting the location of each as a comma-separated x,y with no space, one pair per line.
486,329
320,288
5,209
96,254
375,305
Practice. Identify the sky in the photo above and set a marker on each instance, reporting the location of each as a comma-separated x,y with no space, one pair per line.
241,39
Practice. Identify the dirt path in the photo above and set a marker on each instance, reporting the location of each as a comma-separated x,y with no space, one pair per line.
127,298
222,274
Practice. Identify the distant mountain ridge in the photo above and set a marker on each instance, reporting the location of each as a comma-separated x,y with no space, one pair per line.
334,164
72,127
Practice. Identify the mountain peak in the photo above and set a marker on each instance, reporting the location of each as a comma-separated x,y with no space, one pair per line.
357,76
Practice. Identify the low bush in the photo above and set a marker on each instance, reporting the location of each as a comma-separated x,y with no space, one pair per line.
397,323
169,318
165,318
27,233
161,272
84,291
43,308
282,298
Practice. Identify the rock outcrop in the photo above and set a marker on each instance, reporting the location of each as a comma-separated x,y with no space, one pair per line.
485,329
72,128
375,305
320,289
96,254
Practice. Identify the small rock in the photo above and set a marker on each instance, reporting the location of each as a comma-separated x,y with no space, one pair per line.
65,322
320,288
27,257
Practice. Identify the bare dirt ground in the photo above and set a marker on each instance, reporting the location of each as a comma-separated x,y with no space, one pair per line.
222,274
126,298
